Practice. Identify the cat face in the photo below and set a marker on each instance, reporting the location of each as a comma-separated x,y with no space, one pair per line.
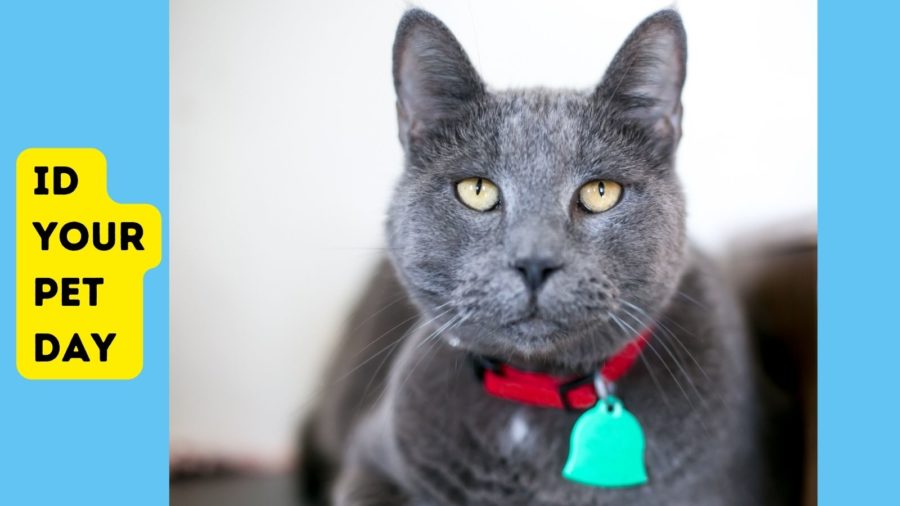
539,226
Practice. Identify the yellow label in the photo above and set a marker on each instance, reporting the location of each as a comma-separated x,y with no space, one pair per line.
80,264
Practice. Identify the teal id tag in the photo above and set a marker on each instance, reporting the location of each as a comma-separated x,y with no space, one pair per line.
606,447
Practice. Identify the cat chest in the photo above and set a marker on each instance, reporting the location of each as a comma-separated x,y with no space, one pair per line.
506,454
471,449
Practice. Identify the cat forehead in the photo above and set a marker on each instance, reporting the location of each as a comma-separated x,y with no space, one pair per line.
540,112
539,123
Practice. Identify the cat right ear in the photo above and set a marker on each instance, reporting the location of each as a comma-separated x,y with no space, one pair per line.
645,79
433,77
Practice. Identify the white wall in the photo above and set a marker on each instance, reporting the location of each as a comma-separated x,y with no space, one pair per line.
284,152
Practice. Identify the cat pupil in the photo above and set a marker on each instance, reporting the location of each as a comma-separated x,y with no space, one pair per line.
601,188
478,187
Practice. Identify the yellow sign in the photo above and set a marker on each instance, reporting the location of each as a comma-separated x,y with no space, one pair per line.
80,264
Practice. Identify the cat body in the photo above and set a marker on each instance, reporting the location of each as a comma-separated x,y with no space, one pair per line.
541,280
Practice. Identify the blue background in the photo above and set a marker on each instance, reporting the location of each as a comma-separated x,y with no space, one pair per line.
859,203
86,74
96,74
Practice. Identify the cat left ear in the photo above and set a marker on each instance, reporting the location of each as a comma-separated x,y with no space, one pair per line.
433,77
644,81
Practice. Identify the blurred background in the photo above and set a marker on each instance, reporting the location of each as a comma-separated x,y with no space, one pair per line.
284,152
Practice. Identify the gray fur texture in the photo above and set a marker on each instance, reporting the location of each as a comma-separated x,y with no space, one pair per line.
405,420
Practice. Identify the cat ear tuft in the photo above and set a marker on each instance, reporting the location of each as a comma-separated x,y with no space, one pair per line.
644,81
433,77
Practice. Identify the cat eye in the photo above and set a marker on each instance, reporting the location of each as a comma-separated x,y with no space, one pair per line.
599,196
478,193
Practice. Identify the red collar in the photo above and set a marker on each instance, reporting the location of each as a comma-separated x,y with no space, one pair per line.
561,392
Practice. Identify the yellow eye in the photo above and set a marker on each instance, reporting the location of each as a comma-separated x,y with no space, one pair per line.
599,196
478,193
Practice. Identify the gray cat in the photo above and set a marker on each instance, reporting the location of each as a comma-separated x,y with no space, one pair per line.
542,229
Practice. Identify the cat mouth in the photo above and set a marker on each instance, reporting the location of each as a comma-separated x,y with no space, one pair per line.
532,316
534,326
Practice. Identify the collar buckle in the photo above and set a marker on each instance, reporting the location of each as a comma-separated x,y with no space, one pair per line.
565,388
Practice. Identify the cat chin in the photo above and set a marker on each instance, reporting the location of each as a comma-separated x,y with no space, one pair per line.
541,354
535,341
535,329
533,332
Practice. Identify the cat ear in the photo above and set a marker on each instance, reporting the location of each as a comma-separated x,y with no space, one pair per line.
644,81
433,77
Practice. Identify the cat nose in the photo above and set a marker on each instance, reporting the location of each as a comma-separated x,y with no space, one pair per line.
535,271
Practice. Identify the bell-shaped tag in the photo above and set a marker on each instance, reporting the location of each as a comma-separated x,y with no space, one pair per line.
606,447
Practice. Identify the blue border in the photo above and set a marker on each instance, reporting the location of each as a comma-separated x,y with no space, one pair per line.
86,74
96,74
859,192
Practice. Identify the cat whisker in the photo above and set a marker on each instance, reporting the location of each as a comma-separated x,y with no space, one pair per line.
667,331
660,357
395,327
378,353
685,296
434,341
653,378
390,304
394,347
442,328
680,366
386,357
684,347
